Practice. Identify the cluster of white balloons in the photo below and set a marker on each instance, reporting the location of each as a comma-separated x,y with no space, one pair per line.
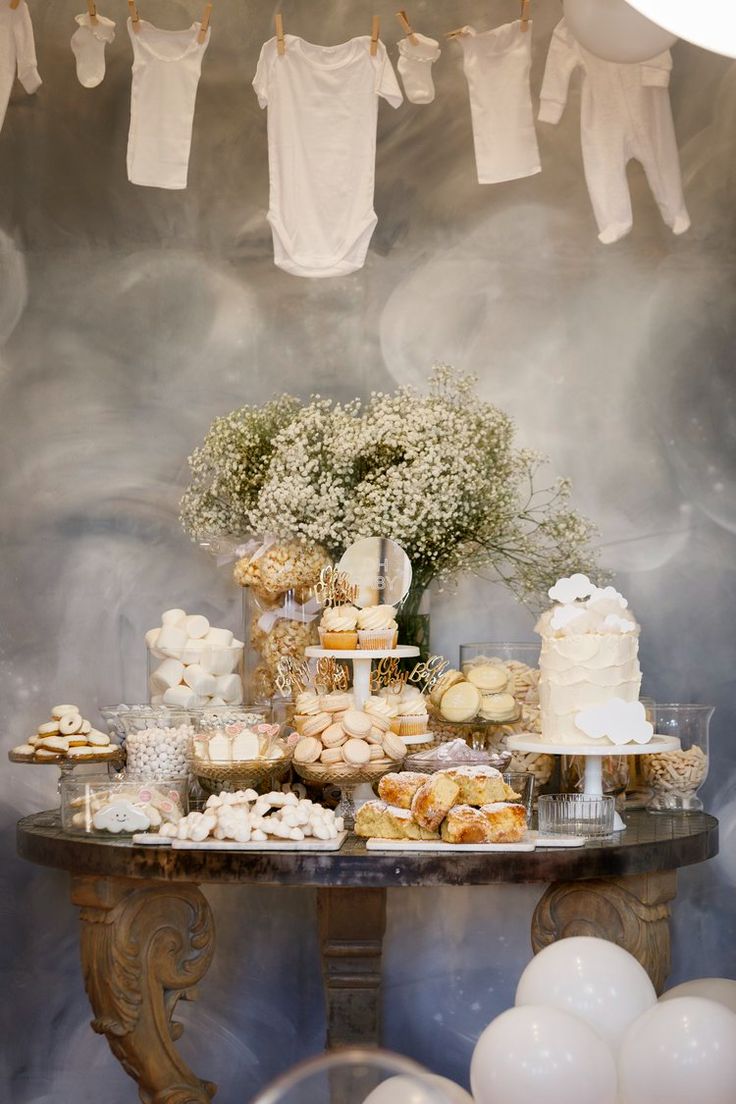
587,1028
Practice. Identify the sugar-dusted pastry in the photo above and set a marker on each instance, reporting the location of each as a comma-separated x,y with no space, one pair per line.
377,627
500,708
338,628
443,684
479,784
461,702
433,800
493,823
398,788
490,678
377,820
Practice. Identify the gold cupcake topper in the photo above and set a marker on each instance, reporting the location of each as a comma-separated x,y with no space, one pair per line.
427,674
330,675
335,588
387,673
292,675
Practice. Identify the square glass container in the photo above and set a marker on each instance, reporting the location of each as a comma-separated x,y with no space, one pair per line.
576,815
97,805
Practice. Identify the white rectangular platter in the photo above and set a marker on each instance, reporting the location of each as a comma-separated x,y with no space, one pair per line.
531,841
150,840
439,846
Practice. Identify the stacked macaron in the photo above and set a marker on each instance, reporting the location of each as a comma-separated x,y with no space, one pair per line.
66,736
350,736
481,693
310,704
198,665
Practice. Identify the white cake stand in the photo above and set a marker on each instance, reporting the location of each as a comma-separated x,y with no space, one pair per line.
362,661
594,753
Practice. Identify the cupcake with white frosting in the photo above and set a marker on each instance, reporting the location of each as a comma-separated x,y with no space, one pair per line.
377,627
411,713
338,628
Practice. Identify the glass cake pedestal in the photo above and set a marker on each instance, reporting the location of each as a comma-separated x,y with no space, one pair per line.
352,797
593,753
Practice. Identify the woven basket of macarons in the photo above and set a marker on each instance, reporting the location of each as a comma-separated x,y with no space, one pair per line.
346,747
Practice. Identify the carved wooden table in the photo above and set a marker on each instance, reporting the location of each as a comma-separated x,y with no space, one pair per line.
148,936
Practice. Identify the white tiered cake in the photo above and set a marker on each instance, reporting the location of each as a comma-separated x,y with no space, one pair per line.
589,666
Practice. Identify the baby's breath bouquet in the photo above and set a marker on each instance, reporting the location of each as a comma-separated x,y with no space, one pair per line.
437,472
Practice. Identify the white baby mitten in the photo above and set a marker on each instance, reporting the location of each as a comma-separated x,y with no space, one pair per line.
88,45
415,67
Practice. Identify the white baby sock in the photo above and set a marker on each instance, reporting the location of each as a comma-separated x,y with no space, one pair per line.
415,67
88,45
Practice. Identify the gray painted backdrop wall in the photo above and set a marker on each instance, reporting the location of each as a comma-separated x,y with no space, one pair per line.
129,317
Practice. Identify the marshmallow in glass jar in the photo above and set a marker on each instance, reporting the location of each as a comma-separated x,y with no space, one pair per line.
192,664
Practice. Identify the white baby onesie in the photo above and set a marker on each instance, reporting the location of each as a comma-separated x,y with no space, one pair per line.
322,118
166,70
625,114
415,67
17,53
496,65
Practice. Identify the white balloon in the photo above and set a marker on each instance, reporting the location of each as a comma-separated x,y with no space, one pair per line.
614,31
712,25
720,990
593,979
534,1054
680,1051
407,1090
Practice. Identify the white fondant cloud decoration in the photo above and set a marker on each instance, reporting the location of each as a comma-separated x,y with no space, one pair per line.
621,721
565,615
619,624
607,594
573,589
120,816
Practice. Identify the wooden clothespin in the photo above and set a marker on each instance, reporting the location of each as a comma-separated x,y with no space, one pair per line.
525,15
406,25
135,19
204,24
278,20
457,33
14,4
92,9
375,31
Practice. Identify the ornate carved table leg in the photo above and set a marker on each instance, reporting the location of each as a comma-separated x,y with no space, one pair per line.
632,911
144,947
351,926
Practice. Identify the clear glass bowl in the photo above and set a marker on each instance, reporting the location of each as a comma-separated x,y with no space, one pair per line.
524,785
499,651
237,749
675,777
575,815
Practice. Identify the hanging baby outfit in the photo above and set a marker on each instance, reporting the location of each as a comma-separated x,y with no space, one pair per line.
625,114
17,53
322,117
496,65
88,46
415,67
166,70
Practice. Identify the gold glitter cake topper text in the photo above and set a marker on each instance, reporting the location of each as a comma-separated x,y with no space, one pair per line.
330,675
292,675
335,588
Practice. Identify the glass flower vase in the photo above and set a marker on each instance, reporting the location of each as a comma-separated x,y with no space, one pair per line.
413,620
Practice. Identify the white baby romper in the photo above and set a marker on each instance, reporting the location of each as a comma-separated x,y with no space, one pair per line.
496,65
17,53
625,114
322,117
166,70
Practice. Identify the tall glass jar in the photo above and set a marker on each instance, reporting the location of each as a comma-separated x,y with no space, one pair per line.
201,675
676,776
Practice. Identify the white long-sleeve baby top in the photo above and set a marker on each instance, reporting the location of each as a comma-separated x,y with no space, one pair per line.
322,117
625,115
17,53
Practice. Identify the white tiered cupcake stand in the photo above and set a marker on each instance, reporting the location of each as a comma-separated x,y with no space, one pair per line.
593,753
362,661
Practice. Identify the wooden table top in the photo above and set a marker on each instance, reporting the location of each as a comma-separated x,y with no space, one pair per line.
652,842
